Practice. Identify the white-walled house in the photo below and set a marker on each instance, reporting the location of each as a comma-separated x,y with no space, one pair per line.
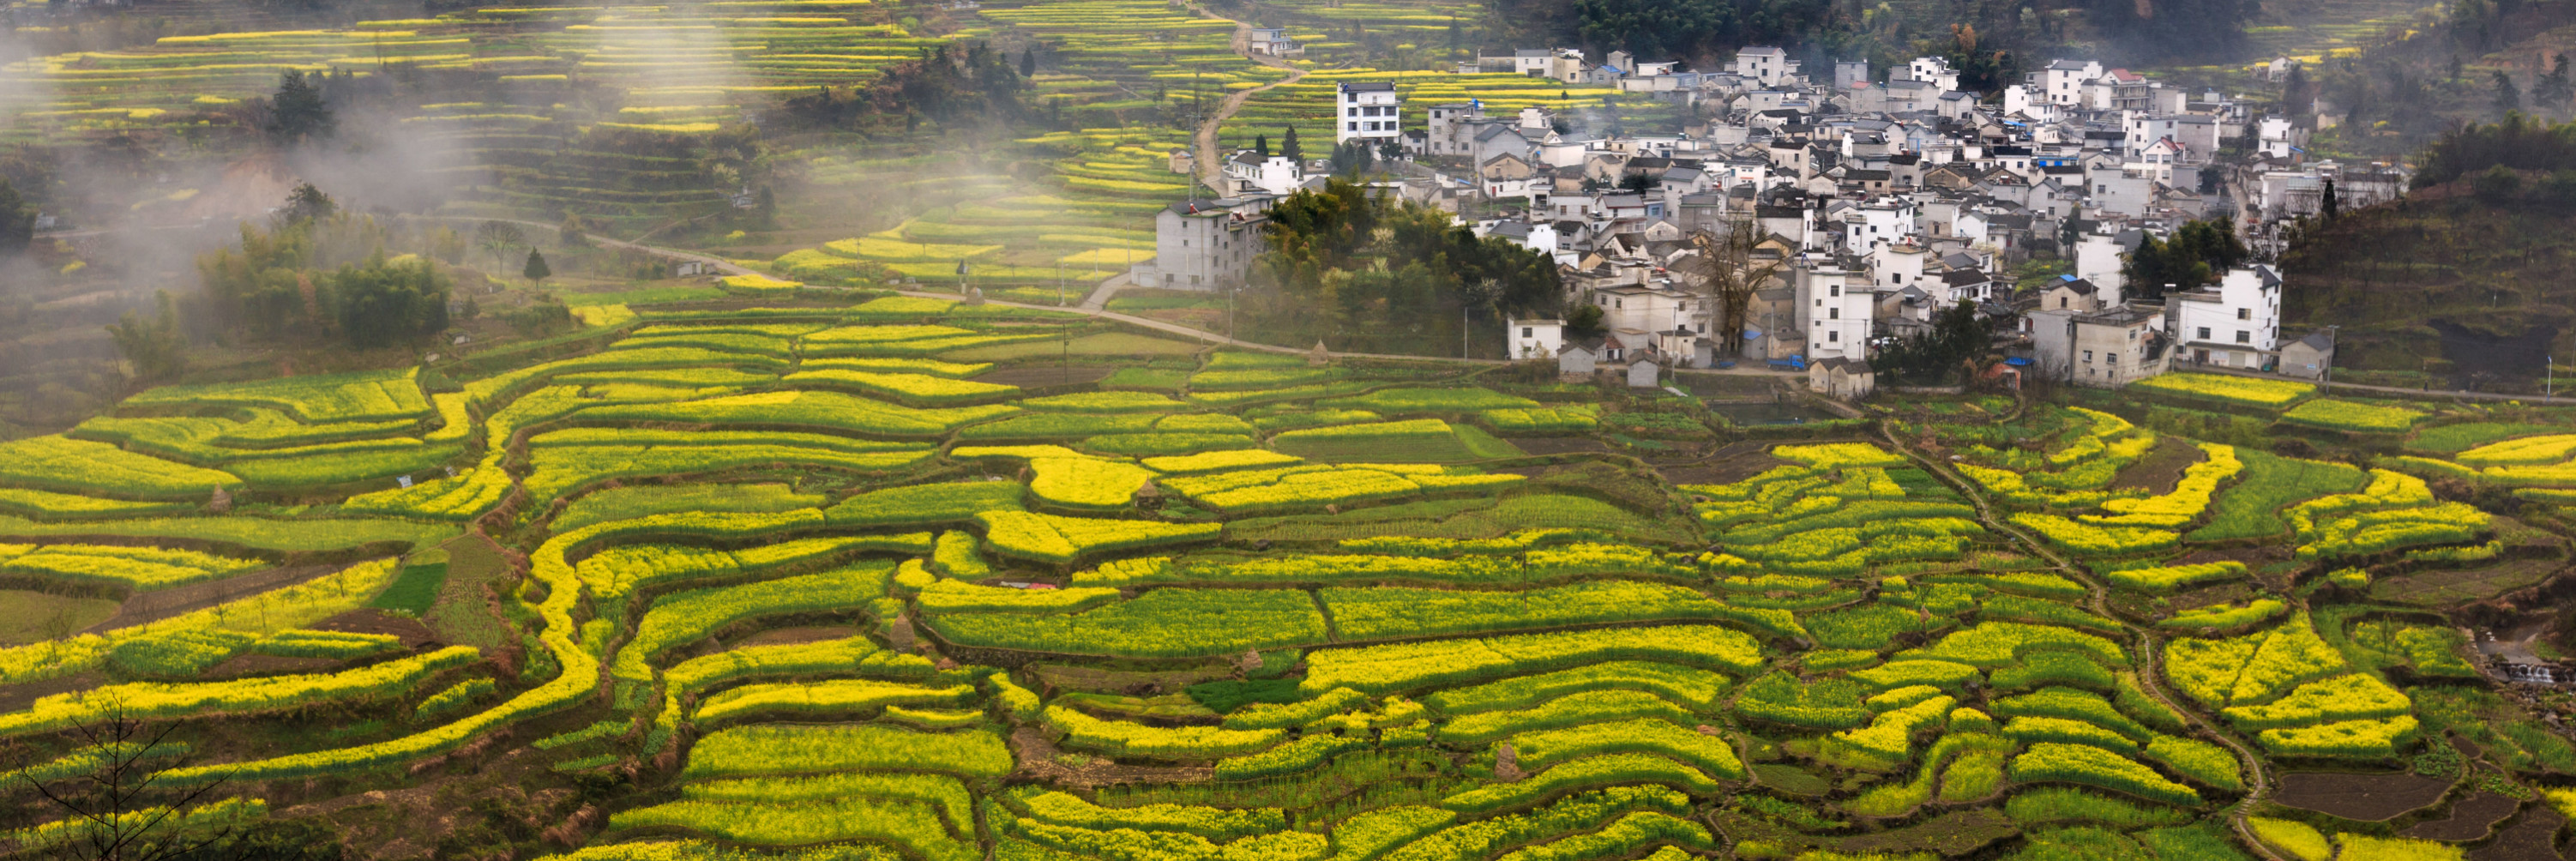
2098,259
2235,324
1896,267
1247,173
1651,309
1369,111
2061,83
1533,339
2108,349
1766,63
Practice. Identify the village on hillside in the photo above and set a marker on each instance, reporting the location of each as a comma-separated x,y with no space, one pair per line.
1875,200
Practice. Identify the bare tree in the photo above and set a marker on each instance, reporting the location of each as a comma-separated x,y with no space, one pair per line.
1734,270
109,814
497,238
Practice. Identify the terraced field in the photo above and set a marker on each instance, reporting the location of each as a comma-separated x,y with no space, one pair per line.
775,577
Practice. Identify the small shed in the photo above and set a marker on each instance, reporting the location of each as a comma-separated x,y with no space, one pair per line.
1838,377
1644,374
1578,360
2309,357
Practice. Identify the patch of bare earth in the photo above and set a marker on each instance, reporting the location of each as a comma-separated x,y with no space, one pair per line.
2362,797
1041,759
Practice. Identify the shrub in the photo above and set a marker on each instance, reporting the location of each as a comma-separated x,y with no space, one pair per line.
1120,738
2298,839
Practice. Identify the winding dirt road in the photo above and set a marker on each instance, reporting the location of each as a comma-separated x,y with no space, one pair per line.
2150,649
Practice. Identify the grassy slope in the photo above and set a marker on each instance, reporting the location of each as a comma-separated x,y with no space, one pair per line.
2382,272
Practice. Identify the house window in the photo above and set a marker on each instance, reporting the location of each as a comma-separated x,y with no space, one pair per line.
1353,112
2244,313
1835,290
2061,301
2244,337
2111,358
1833,313
1833,336
2204,333
1525,332
1355,126
2088,355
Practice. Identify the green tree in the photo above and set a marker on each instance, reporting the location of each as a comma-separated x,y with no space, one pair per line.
1261,146
157,350
1029,62
2497,185
1288,146
2553,90
297,112
2508,98
2330,205
307,203
569,235
1937,357
17,221
536,269
383,303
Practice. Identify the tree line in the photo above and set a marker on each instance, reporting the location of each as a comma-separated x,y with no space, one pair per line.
1371,273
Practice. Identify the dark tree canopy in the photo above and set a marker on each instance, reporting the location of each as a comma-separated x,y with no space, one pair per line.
307,203
297,112
384,303
17,221
2197,253
2517,142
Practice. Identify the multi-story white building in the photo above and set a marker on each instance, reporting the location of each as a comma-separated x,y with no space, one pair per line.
1765,63
1248,173
1651,308
1933,70
1370,111
1834,313
2236,324
2062,82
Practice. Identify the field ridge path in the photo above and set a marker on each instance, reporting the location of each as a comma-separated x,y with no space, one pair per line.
2149,666
1211,165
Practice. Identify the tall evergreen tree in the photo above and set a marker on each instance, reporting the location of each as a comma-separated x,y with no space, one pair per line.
17,221
536,269
1261,146
297,112
1288,146
2330,207
2508,98
1029,63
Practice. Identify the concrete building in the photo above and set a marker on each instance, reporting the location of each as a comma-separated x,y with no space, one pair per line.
1273,41
1650,308
2103,349
1205,244
1370,111
1247,173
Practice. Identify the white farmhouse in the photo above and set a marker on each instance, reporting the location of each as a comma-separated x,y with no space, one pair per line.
1370,111
2236,324
1533,339
1765,63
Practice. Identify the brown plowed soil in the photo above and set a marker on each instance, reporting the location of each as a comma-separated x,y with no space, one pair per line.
2470,819
2364,797
1038,760
370,621
2161,469
2533,838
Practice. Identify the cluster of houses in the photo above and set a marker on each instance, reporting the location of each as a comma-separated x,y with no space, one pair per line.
1876,203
